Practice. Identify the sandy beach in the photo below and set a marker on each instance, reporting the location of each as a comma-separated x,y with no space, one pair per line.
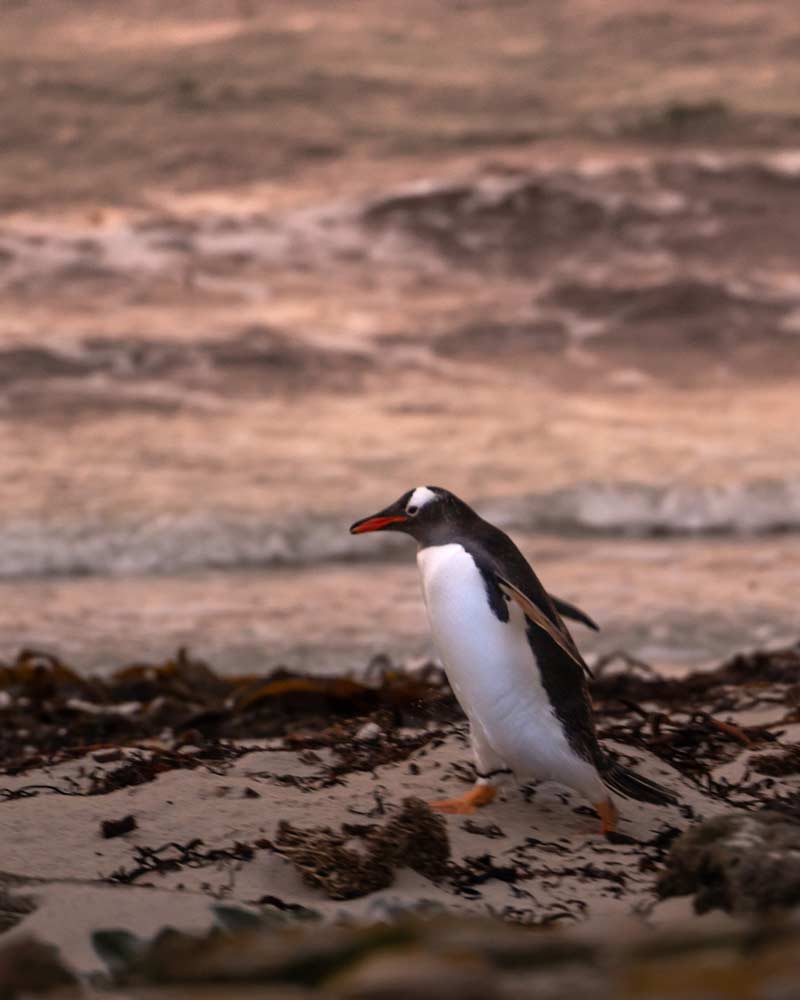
264,267
162,830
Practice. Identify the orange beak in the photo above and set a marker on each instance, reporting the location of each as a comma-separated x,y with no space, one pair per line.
375,523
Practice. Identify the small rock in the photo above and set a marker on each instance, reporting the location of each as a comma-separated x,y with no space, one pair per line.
490,830
369,732
388,909
31,966
743,863
117,827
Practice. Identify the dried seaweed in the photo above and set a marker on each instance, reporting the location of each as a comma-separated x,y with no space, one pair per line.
756,669
50,712
173,856
415,837
181,714
682,720
778,765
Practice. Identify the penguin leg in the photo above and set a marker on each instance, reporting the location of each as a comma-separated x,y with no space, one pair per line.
489,768
608,815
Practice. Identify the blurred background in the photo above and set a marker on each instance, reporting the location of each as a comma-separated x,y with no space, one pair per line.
264,266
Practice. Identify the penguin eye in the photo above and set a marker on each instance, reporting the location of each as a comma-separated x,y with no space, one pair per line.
411,510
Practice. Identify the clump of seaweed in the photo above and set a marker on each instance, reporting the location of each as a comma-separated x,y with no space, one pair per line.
415,837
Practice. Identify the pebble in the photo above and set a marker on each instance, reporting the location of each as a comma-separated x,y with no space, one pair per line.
369,732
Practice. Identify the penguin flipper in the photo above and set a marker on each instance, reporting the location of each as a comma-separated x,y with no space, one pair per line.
535,614
568,610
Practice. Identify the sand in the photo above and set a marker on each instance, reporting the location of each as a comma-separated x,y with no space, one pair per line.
534,856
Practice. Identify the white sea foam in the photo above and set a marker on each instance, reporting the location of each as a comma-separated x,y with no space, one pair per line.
179,543
760,506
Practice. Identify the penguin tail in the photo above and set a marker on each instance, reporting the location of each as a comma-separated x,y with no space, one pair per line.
631,785
568,610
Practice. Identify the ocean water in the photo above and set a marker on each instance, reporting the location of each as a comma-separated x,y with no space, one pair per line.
196,399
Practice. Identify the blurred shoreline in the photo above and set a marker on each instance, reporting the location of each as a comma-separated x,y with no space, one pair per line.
675,603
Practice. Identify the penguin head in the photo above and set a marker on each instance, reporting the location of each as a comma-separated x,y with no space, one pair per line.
427,513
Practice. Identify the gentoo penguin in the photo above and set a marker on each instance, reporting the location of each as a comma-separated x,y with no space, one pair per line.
510,660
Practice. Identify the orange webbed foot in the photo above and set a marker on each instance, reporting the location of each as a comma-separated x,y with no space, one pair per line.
608,816
469,802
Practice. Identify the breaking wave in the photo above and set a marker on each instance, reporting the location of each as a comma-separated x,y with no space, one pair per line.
764,506
175,544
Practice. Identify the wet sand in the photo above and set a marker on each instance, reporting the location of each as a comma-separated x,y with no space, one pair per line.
675,603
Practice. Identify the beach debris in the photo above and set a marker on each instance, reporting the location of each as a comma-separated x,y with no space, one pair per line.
117,827
740,862
14,906
190,717
52,713
369,732
237,918
261,954
482,868
778,765
174,856
414,837
490,830
448,956
274,906
118,949
389,908
29,966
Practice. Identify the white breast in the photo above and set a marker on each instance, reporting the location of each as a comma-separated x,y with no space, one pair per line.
492,669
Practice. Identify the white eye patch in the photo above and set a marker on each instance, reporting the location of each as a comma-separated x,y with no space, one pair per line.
421,496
